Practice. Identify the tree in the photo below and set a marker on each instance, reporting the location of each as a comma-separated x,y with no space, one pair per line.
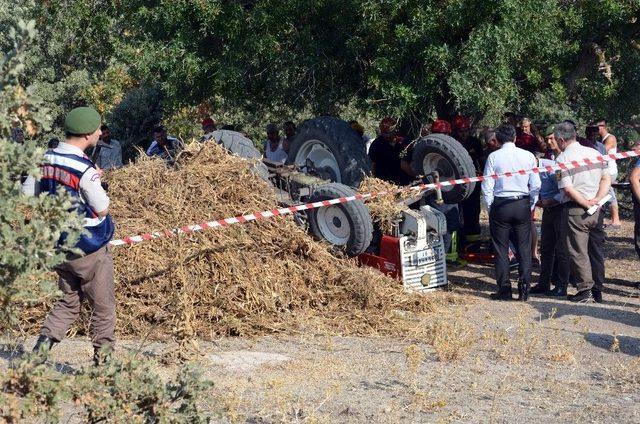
29,226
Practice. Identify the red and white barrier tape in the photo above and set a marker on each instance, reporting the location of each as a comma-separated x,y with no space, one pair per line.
308,206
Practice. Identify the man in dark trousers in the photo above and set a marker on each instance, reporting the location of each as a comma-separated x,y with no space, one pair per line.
88,274
471,206
583,188
510,201
554,262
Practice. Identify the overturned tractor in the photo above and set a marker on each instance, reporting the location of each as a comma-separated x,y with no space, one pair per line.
327,160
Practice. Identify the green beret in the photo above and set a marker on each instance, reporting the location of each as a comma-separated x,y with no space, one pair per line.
549,130
82,120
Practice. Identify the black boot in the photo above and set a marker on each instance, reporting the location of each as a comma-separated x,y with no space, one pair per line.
523,291
44,344
597,295
539,289
504,293
42,348
558,291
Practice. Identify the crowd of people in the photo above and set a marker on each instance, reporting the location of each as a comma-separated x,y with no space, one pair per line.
572,224
571,237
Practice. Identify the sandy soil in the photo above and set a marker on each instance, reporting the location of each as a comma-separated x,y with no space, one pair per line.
544,361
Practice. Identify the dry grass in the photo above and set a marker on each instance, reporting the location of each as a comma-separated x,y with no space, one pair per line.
451,337
244,280
385,210
624,375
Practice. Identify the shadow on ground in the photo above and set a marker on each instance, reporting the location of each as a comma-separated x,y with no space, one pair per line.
559,309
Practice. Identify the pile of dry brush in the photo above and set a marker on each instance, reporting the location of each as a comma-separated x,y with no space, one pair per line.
258,278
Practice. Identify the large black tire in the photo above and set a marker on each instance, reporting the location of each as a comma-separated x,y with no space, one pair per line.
452,161
347,226
239,145
341,140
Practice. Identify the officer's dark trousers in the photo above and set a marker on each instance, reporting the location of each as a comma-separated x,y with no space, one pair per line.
471,213
553,252
508,215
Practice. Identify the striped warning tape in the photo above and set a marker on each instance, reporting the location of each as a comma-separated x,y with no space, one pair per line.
256,216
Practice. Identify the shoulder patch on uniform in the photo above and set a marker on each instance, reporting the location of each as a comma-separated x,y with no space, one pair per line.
95,177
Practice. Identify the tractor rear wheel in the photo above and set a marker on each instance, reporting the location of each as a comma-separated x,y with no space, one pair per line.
439,152
239,145
334,149
347,226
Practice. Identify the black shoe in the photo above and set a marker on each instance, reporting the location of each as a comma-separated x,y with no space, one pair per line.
523,291
44,344
585,296
502,294
42,348
558,291
597,295
539,289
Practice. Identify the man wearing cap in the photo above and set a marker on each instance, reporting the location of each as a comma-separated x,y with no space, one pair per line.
88,272
470,206
554,263
584,237
208,125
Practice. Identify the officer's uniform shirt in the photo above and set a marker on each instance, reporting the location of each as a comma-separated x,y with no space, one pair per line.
586,181
90,187
549,187
510,158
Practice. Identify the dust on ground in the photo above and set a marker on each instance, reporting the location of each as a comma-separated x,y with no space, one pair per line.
485,361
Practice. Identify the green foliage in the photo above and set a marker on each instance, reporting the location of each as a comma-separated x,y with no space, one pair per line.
29,226
133,119
411,58
122,391
30,389
126,391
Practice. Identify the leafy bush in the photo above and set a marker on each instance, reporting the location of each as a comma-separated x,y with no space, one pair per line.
132,120
120,390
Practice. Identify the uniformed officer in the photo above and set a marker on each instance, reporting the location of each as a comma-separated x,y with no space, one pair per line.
90,274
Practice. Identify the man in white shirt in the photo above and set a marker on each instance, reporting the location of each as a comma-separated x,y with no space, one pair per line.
510,200
584,238
273,146
610,143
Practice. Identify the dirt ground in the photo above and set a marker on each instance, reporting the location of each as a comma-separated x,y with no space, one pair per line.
547,360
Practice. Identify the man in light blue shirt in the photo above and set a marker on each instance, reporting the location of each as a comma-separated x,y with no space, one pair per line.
510,199
554,262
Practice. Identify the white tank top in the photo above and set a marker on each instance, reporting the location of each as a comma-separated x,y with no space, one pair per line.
613,165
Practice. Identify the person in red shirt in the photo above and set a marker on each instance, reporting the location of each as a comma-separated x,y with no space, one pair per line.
525,139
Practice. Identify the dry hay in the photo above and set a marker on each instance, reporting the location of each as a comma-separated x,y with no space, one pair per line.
385,210
252,279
